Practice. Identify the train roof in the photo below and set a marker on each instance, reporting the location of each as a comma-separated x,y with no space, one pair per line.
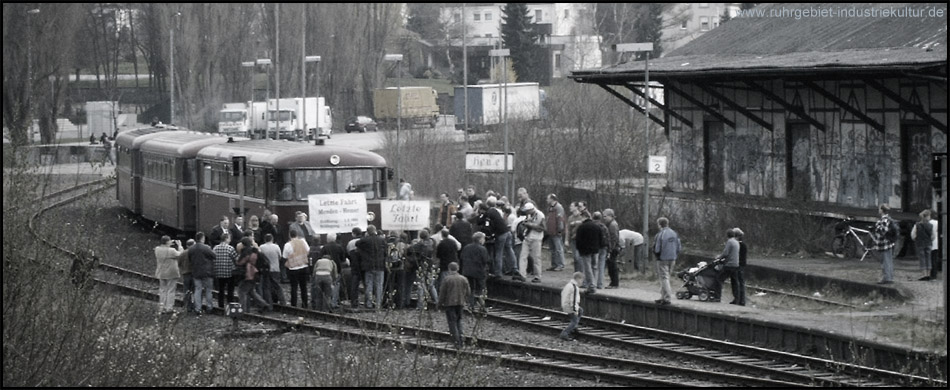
133,138
290,155
185,144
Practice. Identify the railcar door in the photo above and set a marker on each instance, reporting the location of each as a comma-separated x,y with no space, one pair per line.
187,195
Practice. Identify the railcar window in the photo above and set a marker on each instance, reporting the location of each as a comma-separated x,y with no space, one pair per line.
232,181
286,186
313,181
257,183
188,172
216,184
206,179
357,180
224,175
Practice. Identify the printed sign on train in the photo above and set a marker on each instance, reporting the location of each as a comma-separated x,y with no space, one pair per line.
337,213
404,214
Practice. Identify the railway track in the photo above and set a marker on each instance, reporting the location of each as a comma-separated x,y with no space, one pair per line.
63,197
765,367
779,365
579,365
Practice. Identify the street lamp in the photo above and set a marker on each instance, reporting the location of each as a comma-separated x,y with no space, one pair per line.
171,78
465,81
250,64
504,53
29,63
303,87
266,62
398,59
644,47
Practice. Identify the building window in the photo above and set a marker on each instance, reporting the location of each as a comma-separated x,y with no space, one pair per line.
488,35
477,16
457,18
537,16
567,14
557,61
683,26
704,23
488,16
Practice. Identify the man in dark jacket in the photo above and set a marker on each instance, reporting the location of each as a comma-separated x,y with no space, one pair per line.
356,269
462,230
216,232
475,262
499,229
453,293
237,231
372,250
588,239
447,252
334,251
202,271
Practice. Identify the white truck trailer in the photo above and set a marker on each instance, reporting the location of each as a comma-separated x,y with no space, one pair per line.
485,105
291,122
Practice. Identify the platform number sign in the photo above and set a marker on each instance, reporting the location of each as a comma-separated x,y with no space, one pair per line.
657,164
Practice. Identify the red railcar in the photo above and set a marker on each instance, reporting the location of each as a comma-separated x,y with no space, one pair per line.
184,180
280,175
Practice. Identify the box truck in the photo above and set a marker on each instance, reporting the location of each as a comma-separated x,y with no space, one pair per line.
418,106
291,122
241,119
485,105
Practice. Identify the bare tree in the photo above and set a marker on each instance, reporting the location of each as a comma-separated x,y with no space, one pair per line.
44,39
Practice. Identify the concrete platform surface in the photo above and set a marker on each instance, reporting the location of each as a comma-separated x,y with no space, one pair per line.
872,319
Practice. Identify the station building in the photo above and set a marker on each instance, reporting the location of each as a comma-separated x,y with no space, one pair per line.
832,112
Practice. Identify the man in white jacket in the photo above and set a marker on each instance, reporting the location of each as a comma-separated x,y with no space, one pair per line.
571,304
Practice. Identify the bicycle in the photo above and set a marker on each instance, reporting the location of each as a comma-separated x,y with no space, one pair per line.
847,243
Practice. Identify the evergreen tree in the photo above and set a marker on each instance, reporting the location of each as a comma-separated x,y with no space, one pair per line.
520,36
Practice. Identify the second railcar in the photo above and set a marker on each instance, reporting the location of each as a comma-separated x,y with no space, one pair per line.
169,182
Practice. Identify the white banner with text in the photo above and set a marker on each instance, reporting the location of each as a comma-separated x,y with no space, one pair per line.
337,213
404,214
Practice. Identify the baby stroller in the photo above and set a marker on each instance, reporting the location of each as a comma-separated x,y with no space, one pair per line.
700,280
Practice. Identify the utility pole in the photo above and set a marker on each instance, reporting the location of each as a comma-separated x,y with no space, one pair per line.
277,65
648,48
504,53
465,80
303,68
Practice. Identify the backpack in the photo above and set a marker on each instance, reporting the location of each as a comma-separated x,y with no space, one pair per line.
393,260
521,230
262,264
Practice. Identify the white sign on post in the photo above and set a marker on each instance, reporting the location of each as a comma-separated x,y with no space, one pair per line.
657,164
488,162
404,214
337,213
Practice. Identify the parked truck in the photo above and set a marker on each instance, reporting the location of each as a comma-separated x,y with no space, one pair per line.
240,119
290,122
485,105
418,106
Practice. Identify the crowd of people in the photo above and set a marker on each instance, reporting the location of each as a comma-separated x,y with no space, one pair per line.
474,239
